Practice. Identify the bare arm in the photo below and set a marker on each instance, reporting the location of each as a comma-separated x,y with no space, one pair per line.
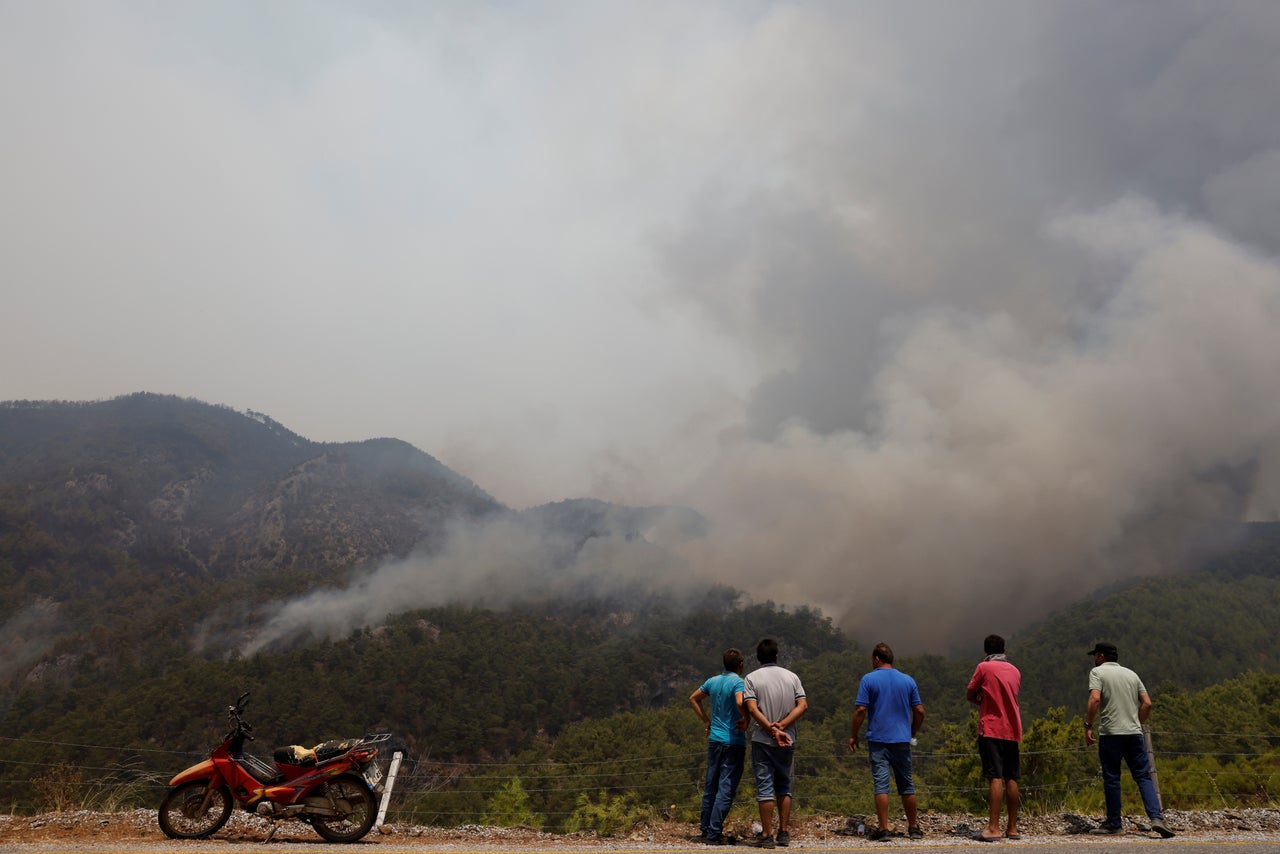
1144,707
753,711
767,725
917,719
797,712
1090,714
859,715
695,700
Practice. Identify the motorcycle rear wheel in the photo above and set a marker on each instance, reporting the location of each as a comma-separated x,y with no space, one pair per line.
354,798
180,815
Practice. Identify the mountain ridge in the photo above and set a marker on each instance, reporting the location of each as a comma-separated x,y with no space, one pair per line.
136,509
122,519
204,488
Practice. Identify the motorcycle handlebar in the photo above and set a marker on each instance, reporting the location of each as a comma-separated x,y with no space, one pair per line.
238,726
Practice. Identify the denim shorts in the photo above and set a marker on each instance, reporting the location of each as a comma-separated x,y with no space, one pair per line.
772,766
895,757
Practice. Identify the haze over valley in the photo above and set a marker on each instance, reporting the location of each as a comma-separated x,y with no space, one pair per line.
935,317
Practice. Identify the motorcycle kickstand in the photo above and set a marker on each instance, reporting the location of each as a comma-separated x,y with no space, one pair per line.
275,825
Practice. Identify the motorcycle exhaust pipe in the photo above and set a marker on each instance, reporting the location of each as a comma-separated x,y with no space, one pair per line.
268,809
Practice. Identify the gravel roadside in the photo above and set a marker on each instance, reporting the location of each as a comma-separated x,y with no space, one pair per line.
135,830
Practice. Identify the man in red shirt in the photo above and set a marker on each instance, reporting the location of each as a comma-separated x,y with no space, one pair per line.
994,687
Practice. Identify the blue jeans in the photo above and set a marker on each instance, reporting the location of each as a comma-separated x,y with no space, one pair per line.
724,771
1133,750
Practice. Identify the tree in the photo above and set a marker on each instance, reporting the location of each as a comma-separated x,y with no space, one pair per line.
510,806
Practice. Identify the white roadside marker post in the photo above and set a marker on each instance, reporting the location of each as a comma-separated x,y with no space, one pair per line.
391,782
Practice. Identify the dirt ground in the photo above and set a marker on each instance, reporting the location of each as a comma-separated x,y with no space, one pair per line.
140,826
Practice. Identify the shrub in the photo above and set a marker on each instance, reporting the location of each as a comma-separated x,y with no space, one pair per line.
613,814
58,789
510,806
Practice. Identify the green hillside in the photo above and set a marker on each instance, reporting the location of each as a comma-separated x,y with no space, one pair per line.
1190,630
141,540
454,684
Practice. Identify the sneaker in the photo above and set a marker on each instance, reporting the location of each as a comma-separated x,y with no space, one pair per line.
878,835
1158,825
1107,830
784,838
765,842
915,832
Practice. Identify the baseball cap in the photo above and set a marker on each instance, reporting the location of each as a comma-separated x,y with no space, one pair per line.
1104,648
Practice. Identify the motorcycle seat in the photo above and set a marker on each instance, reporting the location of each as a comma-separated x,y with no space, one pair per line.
294,754
331,749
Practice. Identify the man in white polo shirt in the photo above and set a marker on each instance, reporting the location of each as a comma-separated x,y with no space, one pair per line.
775,699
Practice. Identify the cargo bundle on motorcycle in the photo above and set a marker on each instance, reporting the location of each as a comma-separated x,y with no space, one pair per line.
331,786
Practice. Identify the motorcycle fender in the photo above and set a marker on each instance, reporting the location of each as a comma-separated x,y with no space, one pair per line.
200,771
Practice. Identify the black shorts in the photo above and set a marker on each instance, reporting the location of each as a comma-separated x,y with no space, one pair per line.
999,758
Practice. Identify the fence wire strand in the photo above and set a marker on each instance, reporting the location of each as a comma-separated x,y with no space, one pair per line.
825,783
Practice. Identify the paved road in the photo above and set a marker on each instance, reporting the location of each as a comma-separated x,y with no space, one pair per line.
1235,843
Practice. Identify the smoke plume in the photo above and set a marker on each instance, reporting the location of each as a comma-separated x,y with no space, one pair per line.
1003,471
998,283
509,560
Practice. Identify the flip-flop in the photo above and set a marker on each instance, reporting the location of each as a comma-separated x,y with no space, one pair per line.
1013,836
982,837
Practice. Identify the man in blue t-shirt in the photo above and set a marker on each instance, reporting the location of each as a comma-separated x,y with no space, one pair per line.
889,701
726,744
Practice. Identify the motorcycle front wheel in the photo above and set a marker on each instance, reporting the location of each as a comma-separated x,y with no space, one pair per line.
357,805
181,816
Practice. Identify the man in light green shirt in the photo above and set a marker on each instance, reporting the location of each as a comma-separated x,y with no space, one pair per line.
1120,704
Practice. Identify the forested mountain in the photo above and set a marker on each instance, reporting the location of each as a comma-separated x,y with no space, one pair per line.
203,490
1191,630
129,527
119,519
146,519
124,523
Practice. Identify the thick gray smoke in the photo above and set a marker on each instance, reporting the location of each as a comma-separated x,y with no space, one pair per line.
497,563
1025,289
1005,275
1002,470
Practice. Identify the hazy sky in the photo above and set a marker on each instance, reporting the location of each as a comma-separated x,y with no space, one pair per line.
976,300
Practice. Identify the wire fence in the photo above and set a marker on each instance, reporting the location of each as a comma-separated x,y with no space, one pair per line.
1202,771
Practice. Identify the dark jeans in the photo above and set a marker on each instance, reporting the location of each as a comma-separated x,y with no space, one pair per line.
724,771
1133,750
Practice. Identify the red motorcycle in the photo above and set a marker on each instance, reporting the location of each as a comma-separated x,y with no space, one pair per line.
330,786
